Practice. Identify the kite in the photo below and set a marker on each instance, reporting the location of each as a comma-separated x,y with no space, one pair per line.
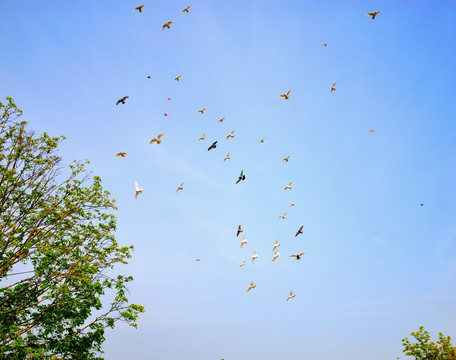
371,130
325,45
165,114
169,99
197,259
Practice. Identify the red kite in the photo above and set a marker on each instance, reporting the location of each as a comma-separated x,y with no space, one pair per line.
371,130
325,45
165,114
169,99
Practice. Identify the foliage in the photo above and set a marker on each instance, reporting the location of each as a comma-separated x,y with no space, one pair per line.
61,232
424,349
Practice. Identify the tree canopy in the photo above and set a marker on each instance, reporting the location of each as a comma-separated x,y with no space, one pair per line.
425,349
60,229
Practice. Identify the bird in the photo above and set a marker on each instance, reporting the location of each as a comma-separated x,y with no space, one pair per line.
167,25
230,135
139,8
242,263
156,139
241,177
298,256
299,231
282,216
148,77
138,190
292,204
177,78
291,295
285,95
254,256
122,100
181,187
244,241
201,111
202,137
221,120
421,204
239,230
373,14
227,157
252,286
276,256
288,186
333,87
213,146
276,245
262,140
121,154
287,158
186,9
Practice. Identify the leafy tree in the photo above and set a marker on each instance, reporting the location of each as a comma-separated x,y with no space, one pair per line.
424,349
62,233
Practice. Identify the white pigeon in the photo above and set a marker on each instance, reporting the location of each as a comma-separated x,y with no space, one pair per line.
254,256
231,134
276,245
181,187
202,137
252,286
288,186
227,157
138,190
286,95
291,295
292,204
282,216
276,256
242,263
244,241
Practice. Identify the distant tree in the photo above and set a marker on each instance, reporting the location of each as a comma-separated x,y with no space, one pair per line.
424,349
63,235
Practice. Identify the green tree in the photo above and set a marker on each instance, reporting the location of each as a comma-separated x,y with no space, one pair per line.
425,349
63,234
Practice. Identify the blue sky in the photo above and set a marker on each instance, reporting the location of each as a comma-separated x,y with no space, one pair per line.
378,265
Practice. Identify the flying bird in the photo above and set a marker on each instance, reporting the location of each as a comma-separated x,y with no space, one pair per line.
213,146
252,286
298,256
421,204
373,14
287,158
202,137
262,140
299,231
231,134
221,120
288,186
276,256
138,190
285,95
291,295
177,78
201,111
292,204
148,77
276,245
241,177
121,154
156,139
239,230
244,241
227,157
167,25
181,187
122,100
139,8
242,263
254,256
333,87
186,9
282,216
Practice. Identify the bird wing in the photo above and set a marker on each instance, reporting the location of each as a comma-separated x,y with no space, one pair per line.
294,256
136,186
291,292
301,254
283,95
242,173
159,136
288,93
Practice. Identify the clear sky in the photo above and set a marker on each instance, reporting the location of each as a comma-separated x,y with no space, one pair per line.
377,264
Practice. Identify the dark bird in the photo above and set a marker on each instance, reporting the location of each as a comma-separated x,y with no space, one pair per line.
139,8
166,25
422,204
298,256
239,230
241,177
186,9
122,100
373,14
148,77
213,146
299,231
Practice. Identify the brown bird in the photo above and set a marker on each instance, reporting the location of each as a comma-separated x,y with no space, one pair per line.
213,146
156,139
230,135
252,286
285,95
241,177
139,8
181,187
239,230
298,256
122,100
221,120
177,78
287,158
373,14
167,25
333,87
299,231
121,154
227,157
291,295
186,9
262,140
201,111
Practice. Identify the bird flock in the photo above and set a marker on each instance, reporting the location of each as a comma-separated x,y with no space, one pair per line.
158,140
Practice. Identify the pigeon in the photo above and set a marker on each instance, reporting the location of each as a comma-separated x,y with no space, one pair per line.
292,204
177,78
242,263
239,230
186,9
121,154
167,25
139,8
227,157
298,256
213,146
373,14
276,256
241,177
276,245
244,241
254,256
181,187
287,158
221,120
231,134
201,111
138,190
156,139
282,216
285,95
252,286
202,137
299,231
333,87
122,100
262,140
288,186
291,295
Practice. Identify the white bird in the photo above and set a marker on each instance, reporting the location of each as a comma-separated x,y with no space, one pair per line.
227,157
288,186
287,158
373,14
252,286
202,137
333,87
138,190
276,256
242,263
181,187
276,245
282,216
201,111
254,256
285,95
292,204
291,295
244,241
231,134
221,120
156,139
262,140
